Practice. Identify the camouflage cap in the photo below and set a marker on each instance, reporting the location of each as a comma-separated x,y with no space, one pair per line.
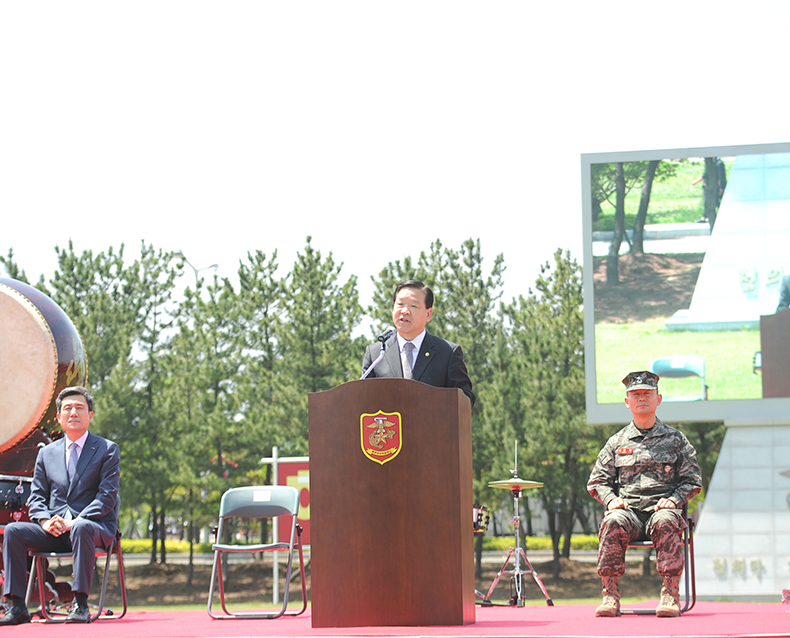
642,380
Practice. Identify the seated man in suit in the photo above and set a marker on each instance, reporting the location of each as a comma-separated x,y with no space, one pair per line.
71,506
414,353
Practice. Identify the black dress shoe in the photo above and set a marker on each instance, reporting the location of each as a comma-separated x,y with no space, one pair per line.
78,613
16,615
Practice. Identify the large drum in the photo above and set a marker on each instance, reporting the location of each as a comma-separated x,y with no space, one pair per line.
40,354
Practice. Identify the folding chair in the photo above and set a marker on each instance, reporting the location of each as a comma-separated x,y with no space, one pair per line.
689,576
678,366
258,502
49,608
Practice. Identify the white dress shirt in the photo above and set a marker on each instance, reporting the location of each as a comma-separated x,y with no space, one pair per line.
417,341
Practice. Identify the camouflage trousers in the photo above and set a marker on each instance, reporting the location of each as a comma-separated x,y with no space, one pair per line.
621,526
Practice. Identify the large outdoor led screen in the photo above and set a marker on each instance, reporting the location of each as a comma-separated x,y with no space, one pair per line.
693,287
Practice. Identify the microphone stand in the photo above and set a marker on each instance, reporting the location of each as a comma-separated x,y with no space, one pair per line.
383,338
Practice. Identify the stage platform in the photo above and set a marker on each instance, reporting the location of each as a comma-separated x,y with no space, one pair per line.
706,620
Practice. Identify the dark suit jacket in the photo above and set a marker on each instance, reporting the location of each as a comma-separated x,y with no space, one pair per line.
784,294
94,491
439,363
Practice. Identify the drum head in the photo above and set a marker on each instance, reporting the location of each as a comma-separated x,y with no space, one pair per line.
28,366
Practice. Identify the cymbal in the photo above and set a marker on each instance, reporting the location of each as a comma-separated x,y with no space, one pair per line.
515,483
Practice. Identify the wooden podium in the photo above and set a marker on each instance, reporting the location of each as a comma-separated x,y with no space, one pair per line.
391,505
775,353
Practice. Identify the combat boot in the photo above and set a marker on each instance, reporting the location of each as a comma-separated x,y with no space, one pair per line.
611,598
669,607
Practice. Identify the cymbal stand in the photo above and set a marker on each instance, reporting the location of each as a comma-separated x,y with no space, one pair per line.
517,573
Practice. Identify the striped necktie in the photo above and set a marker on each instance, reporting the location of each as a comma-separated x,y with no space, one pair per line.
72,461
406,357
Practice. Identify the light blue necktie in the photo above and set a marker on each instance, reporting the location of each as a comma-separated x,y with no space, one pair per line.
72,461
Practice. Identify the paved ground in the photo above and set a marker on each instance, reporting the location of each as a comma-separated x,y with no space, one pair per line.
662,239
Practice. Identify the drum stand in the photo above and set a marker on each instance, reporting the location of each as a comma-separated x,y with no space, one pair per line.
517,573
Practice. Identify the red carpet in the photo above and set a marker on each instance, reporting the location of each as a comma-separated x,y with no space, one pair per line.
707,619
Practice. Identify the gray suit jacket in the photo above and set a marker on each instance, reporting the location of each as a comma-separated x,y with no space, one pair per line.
92,494
439,363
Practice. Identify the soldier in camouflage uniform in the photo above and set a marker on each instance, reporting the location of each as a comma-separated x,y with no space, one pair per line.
643,476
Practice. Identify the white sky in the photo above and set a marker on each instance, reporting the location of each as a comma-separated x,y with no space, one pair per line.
219,128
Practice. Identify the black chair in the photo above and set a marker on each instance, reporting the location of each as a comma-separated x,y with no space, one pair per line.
258,502
689,576
50,609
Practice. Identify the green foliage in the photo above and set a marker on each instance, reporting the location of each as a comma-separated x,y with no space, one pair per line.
260,389
547,407
12,268
103,298
143,546
603,180
707,439
579,542
321,314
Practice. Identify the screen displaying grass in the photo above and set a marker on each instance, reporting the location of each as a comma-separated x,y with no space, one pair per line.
729,359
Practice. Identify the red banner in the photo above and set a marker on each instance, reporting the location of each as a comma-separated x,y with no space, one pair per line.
297,475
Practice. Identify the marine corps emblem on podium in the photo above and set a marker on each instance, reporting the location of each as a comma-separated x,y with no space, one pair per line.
381,436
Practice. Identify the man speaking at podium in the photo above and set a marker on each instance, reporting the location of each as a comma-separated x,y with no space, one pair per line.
414,353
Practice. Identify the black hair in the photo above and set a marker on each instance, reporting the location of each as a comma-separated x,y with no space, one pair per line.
71,391
416,285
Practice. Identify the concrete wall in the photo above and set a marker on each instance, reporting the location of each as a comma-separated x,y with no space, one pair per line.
743,536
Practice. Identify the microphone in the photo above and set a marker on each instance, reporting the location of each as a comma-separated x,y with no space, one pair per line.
382,338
